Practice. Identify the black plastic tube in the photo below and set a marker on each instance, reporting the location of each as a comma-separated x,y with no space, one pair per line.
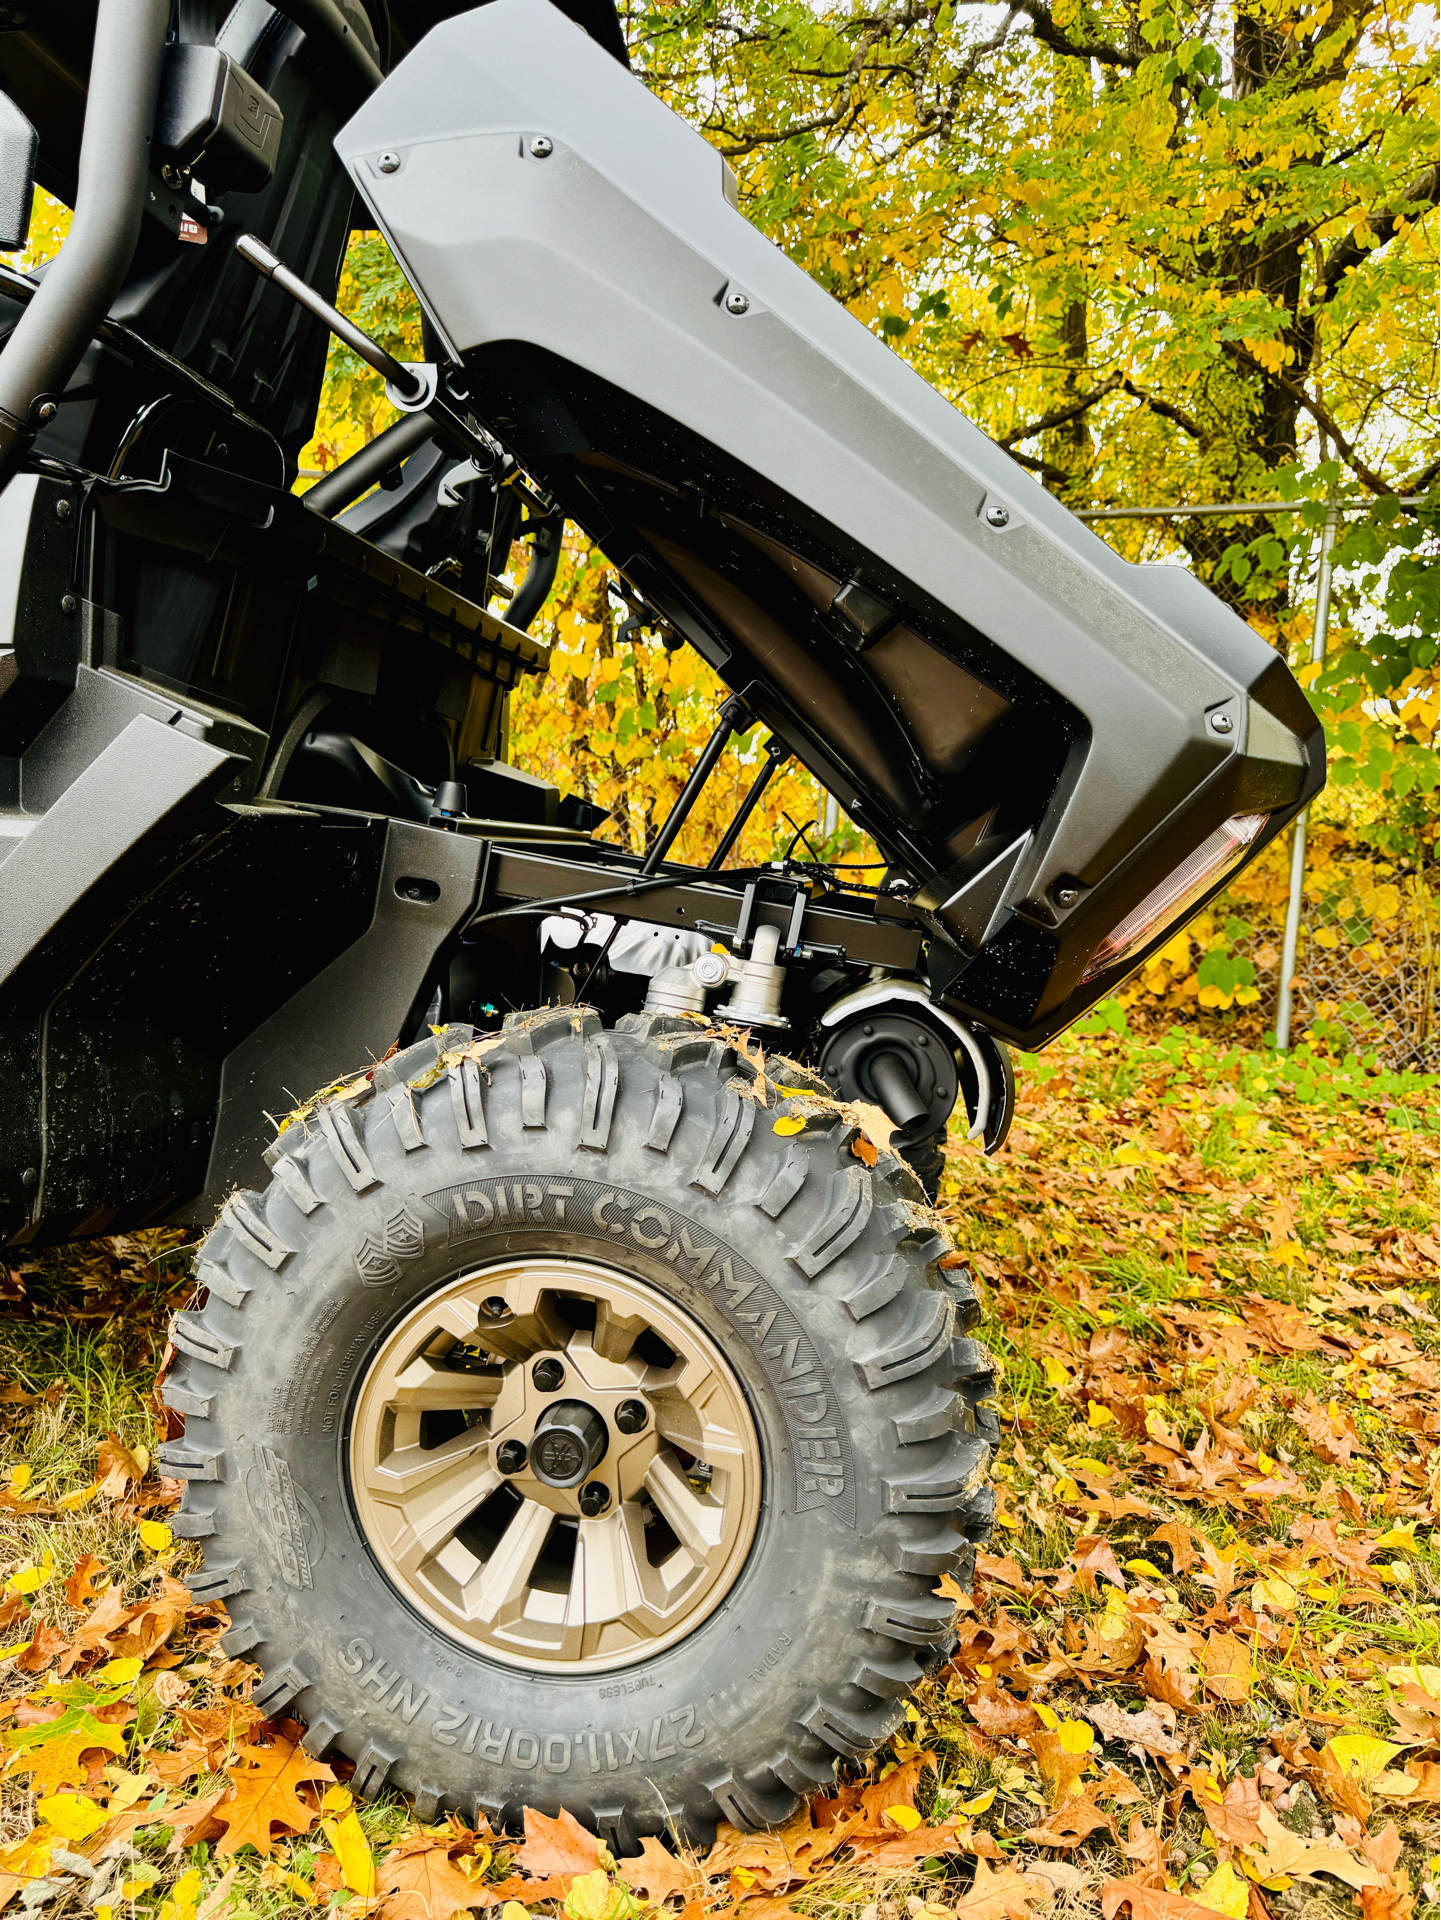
534,590
775,754
363,470
732,715
52,334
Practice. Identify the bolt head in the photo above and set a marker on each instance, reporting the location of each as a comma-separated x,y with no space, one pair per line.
738,303
542,147
68,603
47,410
511,1457
547,1375
594,1498
1067,896
1222,724
495,1307
389,163
64,509
998,516
631,1416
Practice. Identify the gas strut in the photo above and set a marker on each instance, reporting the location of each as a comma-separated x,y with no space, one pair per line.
414,388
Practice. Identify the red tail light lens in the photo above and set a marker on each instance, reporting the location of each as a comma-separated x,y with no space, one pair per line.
1180,890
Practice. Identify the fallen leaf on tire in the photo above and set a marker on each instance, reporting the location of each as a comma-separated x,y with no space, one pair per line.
556,1845
263,1797
656,1873
1145,1903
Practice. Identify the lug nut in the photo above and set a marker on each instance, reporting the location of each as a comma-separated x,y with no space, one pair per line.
547,1375
511,1457
630,1417
495,1307
594,1498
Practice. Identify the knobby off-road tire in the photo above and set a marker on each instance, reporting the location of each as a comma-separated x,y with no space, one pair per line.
639,1153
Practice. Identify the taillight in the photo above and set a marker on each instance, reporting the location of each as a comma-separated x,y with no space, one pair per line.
1216,855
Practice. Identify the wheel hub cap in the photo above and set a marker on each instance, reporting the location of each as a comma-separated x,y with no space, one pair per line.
574,1481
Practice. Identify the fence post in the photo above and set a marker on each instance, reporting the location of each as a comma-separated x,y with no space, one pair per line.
1298,839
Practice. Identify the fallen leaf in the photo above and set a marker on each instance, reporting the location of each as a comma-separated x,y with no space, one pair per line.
54,1749
556,1845
656,1872
1287,1853
1069,1824
80,1589
1226,1891
1152,1904
1007,1896
595,1897
352,1849
46,1646
116,1468
1146,1731
1228,1673
263,1795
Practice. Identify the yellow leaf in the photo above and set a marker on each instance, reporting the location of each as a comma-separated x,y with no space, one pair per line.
28,1579
1148,1568
1226,1892
979,1805
904,1817
744,1877
16,1647
1273,1592
79,1498
788,1124
338,1800
1362,1755
1290,1254
1402,1537
352,1850
1049,1716
1099,1416
19,1478
513,1911
1076,1737
123,1671
157,1537
1056,1375
72,1815
184,1898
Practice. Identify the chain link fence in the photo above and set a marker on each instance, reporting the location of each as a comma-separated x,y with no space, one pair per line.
1366,966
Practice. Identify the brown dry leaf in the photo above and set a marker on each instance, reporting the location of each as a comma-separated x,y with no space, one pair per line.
1236,1818
656,1873
1148,1848
1090,1557
48,1642
1000,1714
900,1849
1180,1540
1388,1903
1145,1903
1228,1667
80,1589
782,1858
1383,1850
1287,1853
217,1903
1146,1731
1007,1896
1176,1687
169,1690
1069,1824
557,1845
116,1468
1061,1770
419,1880
263,1796
117,1632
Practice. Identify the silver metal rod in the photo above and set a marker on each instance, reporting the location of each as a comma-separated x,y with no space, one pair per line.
264,261
1240,507
1291,938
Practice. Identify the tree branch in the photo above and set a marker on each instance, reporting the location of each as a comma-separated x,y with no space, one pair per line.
1320,414
1348,253
1050,35
1060,416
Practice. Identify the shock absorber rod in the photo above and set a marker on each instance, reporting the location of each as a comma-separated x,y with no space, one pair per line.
732,716
404,379
776,752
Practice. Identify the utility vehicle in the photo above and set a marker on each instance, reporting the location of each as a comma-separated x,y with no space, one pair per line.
578,1409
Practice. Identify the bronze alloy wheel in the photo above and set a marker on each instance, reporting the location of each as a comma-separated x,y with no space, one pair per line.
555,1465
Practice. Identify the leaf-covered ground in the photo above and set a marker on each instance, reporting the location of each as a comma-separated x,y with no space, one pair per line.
1198,1675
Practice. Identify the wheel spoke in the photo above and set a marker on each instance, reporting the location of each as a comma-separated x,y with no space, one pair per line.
615,1333
407,1469
506,1575
605,1581
698,1524
436,1389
